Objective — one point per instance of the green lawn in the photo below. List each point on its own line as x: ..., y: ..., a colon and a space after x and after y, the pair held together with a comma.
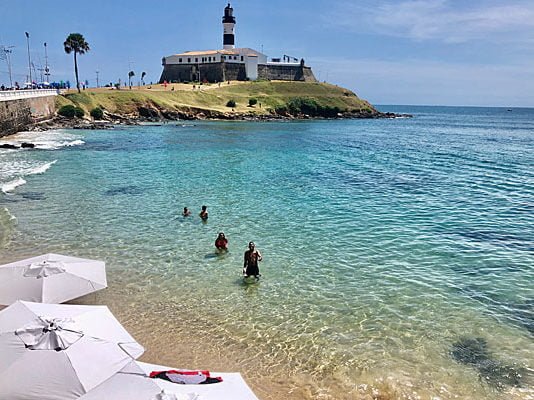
x: 212, y: 97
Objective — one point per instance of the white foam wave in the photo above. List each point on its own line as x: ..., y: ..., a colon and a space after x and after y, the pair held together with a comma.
x: 52, y: 145
x: 10, y: 186
x: 48, y: 140
x: 42, y: 168
x: 78, y: 142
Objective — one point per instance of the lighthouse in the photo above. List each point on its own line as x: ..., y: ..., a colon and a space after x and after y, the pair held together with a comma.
x: 231, y: 63
x: 228, y: 28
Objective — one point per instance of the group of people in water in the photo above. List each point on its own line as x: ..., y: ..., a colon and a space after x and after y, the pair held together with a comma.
x: 251, y: 257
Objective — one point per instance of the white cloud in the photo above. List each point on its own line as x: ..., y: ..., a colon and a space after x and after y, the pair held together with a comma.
x: 438, y: 20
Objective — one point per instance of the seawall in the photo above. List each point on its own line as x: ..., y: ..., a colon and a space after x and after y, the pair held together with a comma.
x: 19, y: 109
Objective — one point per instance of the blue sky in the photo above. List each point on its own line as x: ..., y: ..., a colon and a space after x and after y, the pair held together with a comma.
x: 443, y: 52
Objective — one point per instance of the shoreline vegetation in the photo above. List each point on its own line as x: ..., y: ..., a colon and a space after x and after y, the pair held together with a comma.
x: 245, y: 101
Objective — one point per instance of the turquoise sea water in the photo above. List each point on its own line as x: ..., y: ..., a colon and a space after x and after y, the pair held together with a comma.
x: 398, y: 254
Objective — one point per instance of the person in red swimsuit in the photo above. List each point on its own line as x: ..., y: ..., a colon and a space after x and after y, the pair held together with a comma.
x: 221, y: 242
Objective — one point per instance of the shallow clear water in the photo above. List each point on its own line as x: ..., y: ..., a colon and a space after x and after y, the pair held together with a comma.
x: 386, y: 244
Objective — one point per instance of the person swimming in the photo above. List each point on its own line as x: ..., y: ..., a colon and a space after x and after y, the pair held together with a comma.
x: 221, y: 243
x: 204, y: 213
x: 186, y: 212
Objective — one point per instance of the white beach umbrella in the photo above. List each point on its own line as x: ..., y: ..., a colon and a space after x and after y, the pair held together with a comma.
x: 50, y: 278
x: 60, y: 352
x: 133, y: 383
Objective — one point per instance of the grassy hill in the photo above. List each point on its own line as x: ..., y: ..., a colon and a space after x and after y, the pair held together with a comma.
x: 272, y: 97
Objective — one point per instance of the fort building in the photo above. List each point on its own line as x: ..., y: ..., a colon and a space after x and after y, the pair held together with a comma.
x: 231, y: 63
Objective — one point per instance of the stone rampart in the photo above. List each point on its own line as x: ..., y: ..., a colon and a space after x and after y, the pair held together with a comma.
x: 234, y: 72
x: 220, y: 72
x: 19, y: 114
x: 281, y: 72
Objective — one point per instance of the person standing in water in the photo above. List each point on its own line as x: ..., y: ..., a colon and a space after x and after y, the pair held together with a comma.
x: 204, y: 213
x: 186, y: 212
x: 250, y: 263
x: 221, y: 242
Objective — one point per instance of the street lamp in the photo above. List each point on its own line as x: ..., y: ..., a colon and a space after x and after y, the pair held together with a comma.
x: 29, y: 59
x: 47, y: 70
x: 6, y: 50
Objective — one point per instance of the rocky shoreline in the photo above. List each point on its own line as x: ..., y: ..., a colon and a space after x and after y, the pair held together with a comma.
x: 153, y: 115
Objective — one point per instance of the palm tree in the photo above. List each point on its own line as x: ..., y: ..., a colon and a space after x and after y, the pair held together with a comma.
x: 76, y: 43
x: 130, y: 75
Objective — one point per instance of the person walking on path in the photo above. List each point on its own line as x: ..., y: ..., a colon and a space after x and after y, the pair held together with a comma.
x: 250, y: 263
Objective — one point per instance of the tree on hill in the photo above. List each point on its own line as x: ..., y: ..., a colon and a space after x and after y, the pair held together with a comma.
x: 76, y: 44
x: 143, y: 74
x: 131, y: 74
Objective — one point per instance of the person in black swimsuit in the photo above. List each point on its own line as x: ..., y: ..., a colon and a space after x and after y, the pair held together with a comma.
x: 251, y: 259
x: 204, y: 213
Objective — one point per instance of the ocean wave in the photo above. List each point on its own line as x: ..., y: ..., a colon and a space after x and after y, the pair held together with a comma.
x: 42, y: 168
x: 10, y: 186
x: 53, y: 145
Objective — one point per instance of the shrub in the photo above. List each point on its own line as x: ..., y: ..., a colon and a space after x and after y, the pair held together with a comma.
x: 97, y: 113
x: 79, y: 112
x: 68, y: 111
x: 231, y: 103
x: 252, y: 102
x: 281, y: 110
x: 301, y: 105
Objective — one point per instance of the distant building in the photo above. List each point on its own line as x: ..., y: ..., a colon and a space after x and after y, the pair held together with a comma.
x: 232, y: 63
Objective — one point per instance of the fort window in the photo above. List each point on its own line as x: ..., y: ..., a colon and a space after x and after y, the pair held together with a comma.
x: 241, y: 58
x: 188, y: 60
x: 179, y: 60
x: 196, y: 59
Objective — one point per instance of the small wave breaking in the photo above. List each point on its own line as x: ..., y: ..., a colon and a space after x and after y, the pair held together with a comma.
x: 12, y: 185
x: 52, y: 145
x: 42, y: 168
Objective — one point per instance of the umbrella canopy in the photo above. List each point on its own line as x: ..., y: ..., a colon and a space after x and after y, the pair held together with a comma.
x: 60, y: 352
x: 50, y: 278
x: 133, y: 383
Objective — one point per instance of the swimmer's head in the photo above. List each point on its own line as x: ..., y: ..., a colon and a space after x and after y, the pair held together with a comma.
x: 251, y: 245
